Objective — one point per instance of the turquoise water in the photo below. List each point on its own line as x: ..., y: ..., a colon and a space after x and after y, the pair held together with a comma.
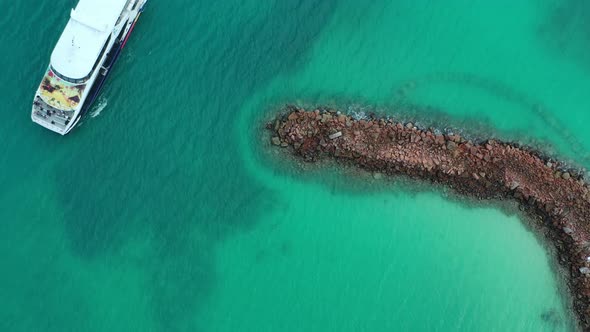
x: 167, y: 210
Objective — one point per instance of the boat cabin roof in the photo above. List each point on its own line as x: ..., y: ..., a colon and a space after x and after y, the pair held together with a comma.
x: 83, y: 38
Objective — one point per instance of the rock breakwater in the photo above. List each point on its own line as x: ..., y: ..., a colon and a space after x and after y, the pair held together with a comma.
x: 559, y: 200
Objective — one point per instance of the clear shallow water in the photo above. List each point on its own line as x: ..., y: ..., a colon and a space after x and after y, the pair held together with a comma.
x: 162, y: 214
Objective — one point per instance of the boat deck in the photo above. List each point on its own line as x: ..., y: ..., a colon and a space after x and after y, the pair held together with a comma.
x: 50, y: 115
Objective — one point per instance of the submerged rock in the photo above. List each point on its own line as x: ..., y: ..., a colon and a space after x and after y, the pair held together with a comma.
x: 276, y: 140
x: 451, y: 146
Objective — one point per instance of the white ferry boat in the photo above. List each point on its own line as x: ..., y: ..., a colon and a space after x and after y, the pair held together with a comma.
x: 82, y: 59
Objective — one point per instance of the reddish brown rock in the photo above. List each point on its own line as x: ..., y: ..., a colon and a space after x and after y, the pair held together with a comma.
x: 439, y: 139
x: 451, y: 146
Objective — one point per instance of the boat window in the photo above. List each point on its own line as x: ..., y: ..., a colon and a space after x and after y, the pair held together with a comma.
x: 68, y: 79
x: 83, y: 79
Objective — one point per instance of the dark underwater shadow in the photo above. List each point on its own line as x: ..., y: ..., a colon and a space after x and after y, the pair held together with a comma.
x: 174, y: 173
x: 566, y: 30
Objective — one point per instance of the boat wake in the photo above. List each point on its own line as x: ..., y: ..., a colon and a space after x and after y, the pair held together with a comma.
x: 102, y: 104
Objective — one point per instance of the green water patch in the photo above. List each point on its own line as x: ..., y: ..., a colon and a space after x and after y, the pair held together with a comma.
x: 385, y: 262
x: 143, y: 194
x: 48, y: 288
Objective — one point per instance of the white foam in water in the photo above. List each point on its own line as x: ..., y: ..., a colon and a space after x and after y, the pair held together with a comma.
x: 102, y: 104
x: 359, y: 115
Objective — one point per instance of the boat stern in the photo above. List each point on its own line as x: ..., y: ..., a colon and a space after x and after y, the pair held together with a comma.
x: 56, y: 120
